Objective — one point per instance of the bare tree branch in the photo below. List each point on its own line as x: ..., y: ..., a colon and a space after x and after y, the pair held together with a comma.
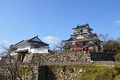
x: 103, y: 37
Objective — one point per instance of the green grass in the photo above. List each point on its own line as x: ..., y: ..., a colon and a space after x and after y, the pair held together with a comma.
x: 98, y: 73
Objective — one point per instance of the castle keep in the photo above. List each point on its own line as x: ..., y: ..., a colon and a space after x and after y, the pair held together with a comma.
x: 82, y: 37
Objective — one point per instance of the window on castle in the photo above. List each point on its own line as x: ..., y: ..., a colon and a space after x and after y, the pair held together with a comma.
x: 81, y: 31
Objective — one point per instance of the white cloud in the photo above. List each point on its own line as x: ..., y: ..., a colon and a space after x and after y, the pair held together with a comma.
x: 117, y: 22
x: 52, y: 40
x: 5, y: 41
x: 28, y: 25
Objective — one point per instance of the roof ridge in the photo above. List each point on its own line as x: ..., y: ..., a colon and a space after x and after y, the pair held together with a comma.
x: 83, y: 24
x: 30, y: 38
x: 26, y: 40
x: 19, y: 42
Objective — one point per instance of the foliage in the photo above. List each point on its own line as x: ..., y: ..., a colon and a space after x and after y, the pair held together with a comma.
x: 117, y: 57
x: 98, y: 73
x: 109, y: 45
x: 90, y: 72
x: 107, y: 75
x: 24, y: 70
x: 118, y: 49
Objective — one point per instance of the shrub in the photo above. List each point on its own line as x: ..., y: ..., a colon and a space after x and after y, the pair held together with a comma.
x: 117, y: 57
x: 108, y: 75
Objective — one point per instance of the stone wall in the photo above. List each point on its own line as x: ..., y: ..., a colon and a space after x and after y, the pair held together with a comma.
x: 57, y: 57
x: 68, y: 73
x: 69, y: 57
x: 59, y: 73
x: 64, y: 72
x: 45, y: 73
x: 54, y: 72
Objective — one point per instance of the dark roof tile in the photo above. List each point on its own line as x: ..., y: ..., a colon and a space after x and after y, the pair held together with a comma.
x: 31, y: 41
x: 83, y: 26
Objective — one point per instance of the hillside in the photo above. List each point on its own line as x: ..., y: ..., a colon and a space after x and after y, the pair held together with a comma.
x: 79, y: 72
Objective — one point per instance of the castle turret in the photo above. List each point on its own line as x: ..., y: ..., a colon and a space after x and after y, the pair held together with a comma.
x: 83, y: 36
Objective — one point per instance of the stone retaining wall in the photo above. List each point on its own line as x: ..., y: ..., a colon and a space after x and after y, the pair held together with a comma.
x: 58, y: 57
x: 59, y: 73
x: 46, y: 72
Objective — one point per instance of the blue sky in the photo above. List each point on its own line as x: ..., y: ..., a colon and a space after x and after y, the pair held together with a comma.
x: 53, y: 20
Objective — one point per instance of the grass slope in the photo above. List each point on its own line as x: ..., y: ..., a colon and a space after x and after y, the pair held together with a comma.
x: 98, y: 73
x: 93, y: 72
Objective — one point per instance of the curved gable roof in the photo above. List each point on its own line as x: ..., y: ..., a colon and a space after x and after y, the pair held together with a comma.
x: 83, y: 26
x: 34, y: 40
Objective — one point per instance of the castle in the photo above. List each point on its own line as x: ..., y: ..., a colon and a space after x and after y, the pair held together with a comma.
x: 82, y: 37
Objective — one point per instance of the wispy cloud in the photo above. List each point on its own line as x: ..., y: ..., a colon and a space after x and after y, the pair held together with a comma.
x: 5, y: 41
x: 117, y: 22
x: 52, y: 40
x: 28, y: 25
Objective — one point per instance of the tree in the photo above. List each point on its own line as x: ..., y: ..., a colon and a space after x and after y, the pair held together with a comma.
x: 118, y: 39
x: 59, y: 46
x: 118, y: 47
x: 103, y: 37
x: 10, y: 64
x: 111, y: 46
